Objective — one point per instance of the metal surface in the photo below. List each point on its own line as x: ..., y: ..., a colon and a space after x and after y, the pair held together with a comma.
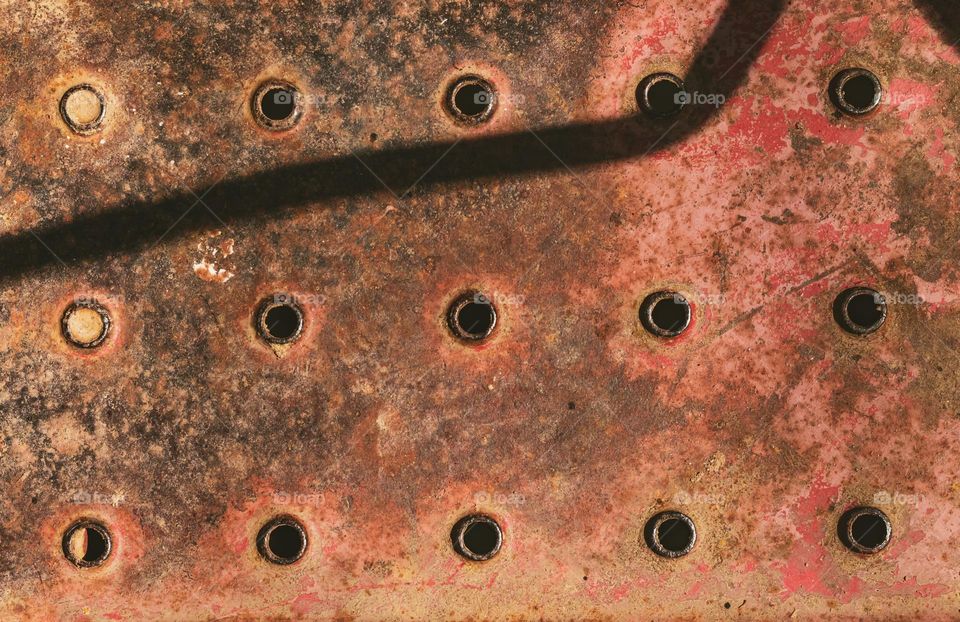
x: 184, y: 432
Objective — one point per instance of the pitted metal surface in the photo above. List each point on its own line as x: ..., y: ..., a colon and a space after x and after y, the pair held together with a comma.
x: 373, y: 209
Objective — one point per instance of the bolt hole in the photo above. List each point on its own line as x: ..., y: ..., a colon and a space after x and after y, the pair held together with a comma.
x: 282, y: 541
x: 472, y: 317
x: 279, y: 320
x: 477, y: 537
x: 83, y: 108
x: 665, y: 314
x: 471, y: 100
x: 864, y: 530
x: 855, y: 91
x: 661, y: 95
x: 277, y: 105
x: 670, y: 534
x: 860, y: 310
x: 87, y: 544
x: 85, y: 324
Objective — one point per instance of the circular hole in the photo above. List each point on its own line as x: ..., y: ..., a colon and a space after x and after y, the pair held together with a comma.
x: 665, y: 314
x: 860, y: 310
x: 85, y: 324
x: 472, y: 317
x: 87, y: 544
x: 471, y: 100
x: 864, y: 530
x: 277, y: 105
x: 477, y: 537
x: 670, y: 534
x: 282, y: 541
x: 661, y: 95
x: 83, y: 108
x: 855, y: 91
x: 279, y: 319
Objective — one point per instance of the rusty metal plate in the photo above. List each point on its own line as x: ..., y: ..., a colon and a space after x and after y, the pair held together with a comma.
x: 252, y: 253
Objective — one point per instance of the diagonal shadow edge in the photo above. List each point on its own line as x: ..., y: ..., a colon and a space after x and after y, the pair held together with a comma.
x: 133, y: 226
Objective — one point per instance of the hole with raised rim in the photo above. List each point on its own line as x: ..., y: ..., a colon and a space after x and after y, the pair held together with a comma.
x: 477, y: 537
x: 282, y: 541
x: 670, y: 534
x: 665, y: 314
x: 87, y: 543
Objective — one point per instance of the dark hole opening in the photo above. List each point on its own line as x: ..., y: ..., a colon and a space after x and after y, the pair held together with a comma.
x: 662, y: 97
x: 865, y: 310
x: 277, y: 104
x: 476, y: 319
x: 286, y: 542
x: 282, y: 322
x: 472, y: 99
x: 665, y: 314
x: 481, y: 538
x: 859, y: 92
x: 675, y: 535
x: 96, y: 545
x: 671, y: 314
x: 869, y: 531
x: 860, y: 310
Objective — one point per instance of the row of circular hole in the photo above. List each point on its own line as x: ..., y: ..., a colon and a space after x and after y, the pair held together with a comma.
x: 472, y: 317
x: 478, y: 537
x: 471, y: 100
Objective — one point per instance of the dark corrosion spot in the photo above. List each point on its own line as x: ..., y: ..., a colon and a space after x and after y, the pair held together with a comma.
x: 277, y: 105
x: 476, y: 537
x: 282, y: 541
x: 670, y: 534
x: 471, y: 100
x: 864, y: 530
x: 472, y: 317
x: 860, y: 310
x: 85, y: 324
x: 665, y: 314
x: 855, y: 91
x: 279, y: 319
x: 87, y: 543
x: 661, y: 95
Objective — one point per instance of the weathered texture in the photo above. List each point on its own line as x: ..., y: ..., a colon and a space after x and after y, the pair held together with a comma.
x: 184, y: 433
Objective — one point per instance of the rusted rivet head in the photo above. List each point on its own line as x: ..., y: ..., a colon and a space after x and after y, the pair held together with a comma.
x: 661, y: 95
x: 471, y: 100
x: 472, y: 317
x: 855, y: 91
x: 83, y: 108
x: 85, y: 324
x: 665, y: 314
x: 860, y: 310
x: 670, y: 534
x: 277, y: 105
x: 282, y: 541
x: 864, y: 530
x: 87, y: 543
x: 476, y: 537
x: 279, y: 319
